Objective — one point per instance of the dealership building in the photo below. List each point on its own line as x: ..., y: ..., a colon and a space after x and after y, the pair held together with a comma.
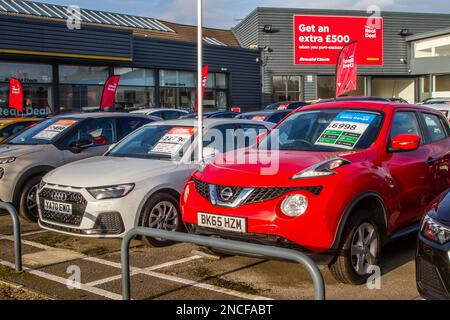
x: 63, y: 66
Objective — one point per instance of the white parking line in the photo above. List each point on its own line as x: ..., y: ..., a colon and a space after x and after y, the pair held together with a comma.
x: 137, y: 270
x: 146, y: 271
x: 31, y: 233
x: 51, y: 277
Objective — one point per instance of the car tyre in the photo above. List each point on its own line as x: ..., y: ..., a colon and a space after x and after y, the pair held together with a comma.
x: 28, y: 207
x: 161, y: 212
x: 359, y: 250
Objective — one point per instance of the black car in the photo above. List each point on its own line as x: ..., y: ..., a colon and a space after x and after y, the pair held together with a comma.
x: 213, y: 114
x: 286, y: 105
x: 433, y: 251
x: 273, y: 116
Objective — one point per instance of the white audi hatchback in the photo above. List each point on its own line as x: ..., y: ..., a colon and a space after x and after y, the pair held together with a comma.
x: 138, y: 181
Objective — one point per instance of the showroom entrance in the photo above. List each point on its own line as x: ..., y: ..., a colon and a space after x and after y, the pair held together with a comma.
x: 394, y: 88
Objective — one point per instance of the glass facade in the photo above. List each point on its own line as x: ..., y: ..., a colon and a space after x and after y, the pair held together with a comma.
x: 326, y: 87
x: 136, y: 89
x: 37, y: 86
x: 78, y: 88
x: 81, y: 87
x: 432, y: 47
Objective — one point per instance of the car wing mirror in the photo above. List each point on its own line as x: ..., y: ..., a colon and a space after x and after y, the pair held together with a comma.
x: 82, y: 144
x: 405, y: 142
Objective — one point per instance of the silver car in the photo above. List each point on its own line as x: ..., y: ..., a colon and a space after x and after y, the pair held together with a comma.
x: 139, y: 181
x: 28, y: 156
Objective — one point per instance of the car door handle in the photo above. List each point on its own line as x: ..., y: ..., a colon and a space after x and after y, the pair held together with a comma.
x: 431, y: 161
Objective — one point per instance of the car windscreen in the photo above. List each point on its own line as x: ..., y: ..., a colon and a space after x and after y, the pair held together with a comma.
x: 325, y: 130
x: 155, y: 142
x: 45, y: 132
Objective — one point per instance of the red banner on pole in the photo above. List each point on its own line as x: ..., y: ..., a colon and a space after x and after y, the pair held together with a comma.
x: 15, y: 94
x: 205, y: 71
x: 346, y: 69
x: 109, y: 92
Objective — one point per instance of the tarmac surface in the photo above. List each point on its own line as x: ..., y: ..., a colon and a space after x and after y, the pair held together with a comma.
x: 51, y: 261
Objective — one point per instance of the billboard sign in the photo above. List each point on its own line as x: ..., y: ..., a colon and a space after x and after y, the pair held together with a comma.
x: 319, y: 39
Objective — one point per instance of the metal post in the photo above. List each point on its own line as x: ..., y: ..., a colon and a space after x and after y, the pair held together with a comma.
x: 16, y: 226
x: 199, y: 78
x: 229, y: 245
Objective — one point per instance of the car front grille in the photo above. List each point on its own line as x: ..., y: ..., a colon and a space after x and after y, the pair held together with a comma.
x: 77, y: 200
x: 428, y: 276
x: 259, y: 194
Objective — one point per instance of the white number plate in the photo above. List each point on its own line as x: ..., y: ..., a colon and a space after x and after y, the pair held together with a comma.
x: 222, y: 222
x: 58, y: 207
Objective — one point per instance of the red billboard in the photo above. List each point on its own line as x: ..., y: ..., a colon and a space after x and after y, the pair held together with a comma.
x: 319, y: 39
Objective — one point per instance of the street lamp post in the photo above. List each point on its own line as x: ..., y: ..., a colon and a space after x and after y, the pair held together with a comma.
x: 199, y: 78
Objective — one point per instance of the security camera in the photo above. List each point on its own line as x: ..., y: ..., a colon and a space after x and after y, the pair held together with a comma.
x: 404, y: 61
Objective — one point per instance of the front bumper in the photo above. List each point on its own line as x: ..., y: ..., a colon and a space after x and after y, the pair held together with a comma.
x: 312, y: 233
x: 90, y: 217
x: 433, y: 269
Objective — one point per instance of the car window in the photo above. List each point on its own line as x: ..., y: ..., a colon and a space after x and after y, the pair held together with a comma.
x: 99, y: 131
x: 277, y: 117
x: 171, y: 114
x: 434, y: 126
x: 250, y: 133
x: 12, y: 129
x: 128, y: 125
x: 405, y: 122
x: 157, y: 114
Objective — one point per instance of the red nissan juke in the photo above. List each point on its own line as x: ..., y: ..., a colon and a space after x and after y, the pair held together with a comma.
x: 336, y: 181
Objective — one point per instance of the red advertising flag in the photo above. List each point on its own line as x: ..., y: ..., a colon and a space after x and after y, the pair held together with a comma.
x: 346, y: 69
x: 109, y: 92
x: 15, y: 94
x: 205, y: 71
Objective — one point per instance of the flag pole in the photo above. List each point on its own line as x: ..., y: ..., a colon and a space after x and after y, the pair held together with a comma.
x: 199, y: 78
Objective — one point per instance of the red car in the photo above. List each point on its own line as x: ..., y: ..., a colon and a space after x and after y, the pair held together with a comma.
x: 350, y: 176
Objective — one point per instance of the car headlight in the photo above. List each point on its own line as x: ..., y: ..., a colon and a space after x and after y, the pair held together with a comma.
x: 186, y: 193
x: 111, y: 192
x: 434, y: 231
x: 294, y: 205
x: 7, y: 160
x: 322, y: 169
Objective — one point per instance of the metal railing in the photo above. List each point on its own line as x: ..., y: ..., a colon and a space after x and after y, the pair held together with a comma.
x: 16, y: 228
x: 229, y: 245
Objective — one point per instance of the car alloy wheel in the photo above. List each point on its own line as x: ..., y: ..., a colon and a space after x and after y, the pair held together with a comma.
x: 31, y: 201
x: 364, y: 248
x: 164, y: 216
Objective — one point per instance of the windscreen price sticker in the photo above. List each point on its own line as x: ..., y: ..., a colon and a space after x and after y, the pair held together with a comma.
x: 55, y: 129
x: 173, y: 140
x: 346, y: 130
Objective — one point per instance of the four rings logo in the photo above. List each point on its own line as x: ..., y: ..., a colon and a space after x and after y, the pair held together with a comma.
x: 226, y: 194
x: 59, y: 196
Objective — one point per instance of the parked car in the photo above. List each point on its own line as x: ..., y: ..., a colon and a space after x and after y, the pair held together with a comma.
x: 213, y: 115
x: 433, y: 251
x: 11, y: 126
x: 344, y: 179
x: 431, y: 101
x: 273, y: 116
x: 355, y: 98
x: 25, y: 158
x: 440, y: 105
x: 138, y: 182
x: 286, y: 105
x: 165, y: 114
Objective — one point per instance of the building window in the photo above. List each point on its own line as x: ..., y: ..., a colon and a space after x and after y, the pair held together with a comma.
x: 394, y: 88
x: 136, y: 89
x: 177, y: 89
x: 424, y: 88
x: 442, y: 83
x: 81, y: 87
x: 287, y: 88
x: 326, y: 87
x: 37, y: 90
x: 433, y: 47
x: 216, y: 92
